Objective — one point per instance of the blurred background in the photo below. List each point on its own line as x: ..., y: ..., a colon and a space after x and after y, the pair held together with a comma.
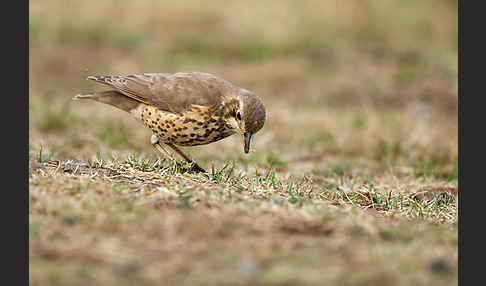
x: 361, y: 95
x: 371, y: 82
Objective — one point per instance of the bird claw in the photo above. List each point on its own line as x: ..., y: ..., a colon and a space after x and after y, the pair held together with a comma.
x: 195, y: 168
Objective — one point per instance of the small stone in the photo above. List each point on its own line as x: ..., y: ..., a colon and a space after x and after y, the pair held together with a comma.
x: 247, y: 268
x: 440, y: 266
x: 276, y: 199
x: 71, y: 219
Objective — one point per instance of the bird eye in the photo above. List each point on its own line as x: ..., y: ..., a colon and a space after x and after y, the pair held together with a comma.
x: 238, y: 115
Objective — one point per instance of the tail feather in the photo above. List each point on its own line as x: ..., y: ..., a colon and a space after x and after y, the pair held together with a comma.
x: 111, y: 97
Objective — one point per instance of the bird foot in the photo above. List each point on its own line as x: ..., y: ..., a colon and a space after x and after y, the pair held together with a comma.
x: 195, y: 168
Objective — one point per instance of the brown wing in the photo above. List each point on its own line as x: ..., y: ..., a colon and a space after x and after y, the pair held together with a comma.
x: 170, y: 92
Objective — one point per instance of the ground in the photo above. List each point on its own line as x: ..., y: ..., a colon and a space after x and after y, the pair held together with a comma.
x: 352, y: 180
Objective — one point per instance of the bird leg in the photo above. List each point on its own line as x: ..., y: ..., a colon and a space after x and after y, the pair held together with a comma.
x: 155, y: 142
x: 195, y: 166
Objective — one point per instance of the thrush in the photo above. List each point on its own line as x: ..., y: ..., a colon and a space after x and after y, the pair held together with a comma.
x: 184, y: 108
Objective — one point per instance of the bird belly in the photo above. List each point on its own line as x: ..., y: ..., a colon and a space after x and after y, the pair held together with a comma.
x: 188, y: 129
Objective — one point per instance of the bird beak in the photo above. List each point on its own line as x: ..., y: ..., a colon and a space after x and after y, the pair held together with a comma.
x: 246, y: 141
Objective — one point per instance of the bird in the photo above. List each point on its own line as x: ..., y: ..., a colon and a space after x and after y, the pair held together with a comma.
x: 184, y: 108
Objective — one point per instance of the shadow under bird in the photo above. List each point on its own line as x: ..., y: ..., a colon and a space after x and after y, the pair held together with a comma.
x: 185, y: 108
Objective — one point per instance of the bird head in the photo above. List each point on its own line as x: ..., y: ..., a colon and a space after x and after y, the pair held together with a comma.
x: 248, y: 117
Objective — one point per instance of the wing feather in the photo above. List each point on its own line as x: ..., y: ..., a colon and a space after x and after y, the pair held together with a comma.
x: 170, y: 92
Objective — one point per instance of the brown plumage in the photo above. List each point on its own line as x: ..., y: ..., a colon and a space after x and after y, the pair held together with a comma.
x: 185, y: 109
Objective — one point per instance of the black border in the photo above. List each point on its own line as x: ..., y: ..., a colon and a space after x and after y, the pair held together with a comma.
x: 15, y: 95
x: 471, y: 89
x: 460, y: 144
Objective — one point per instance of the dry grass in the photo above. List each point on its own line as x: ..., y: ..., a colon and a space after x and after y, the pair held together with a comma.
x: 353, y: 180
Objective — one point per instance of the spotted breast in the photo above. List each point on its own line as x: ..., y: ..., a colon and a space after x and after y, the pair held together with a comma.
x: 198, y: 125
